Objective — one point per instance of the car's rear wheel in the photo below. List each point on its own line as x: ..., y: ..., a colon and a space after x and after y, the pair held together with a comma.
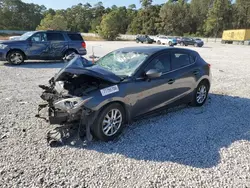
x: 15, y: 57
x: 200, y: 94
x: 109, y: 123
x: 170, y: 43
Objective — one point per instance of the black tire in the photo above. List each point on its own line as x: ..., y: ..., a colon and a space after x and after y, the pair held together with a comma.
x: 15, y: 57
x: 195, y: 100
x: 170, y: 43
x: 98, y: 127
x: 158, y: 42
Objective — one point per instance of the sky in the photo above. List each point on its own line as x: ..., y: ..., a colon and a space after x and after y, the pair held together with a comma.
x: 63, y: 4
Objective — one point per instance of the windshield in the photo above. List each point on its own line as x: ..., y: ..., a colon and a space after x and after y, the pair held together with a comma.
x: 26, y: 35
x: 122, y: 63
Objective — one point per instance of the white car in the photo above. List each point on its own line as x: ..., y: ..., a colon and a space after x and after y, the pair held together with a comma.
x: 161, y: 39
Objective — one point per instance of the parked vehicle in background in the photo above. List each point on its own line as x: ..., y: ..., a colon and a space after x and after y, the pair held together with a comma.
x: 185, y: 41
x: 42, y: 45
x: 103, y: 96
x: 165, y: 40
x: 144, y: 39
x: 238, y: 35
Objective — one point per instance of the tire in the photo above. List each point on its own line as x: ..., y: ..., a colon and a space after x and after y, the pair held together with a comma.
x: 170, y: 43
x: 102, y: 130
x: 158, y: 42
x: 137, y: 41
x: 182, y: 43
x: 196, y: 101
x: 15, y: 57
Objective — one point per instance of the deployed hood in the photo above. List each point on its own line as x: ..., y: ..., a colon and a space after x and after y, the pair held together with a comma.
x: 81, y: 66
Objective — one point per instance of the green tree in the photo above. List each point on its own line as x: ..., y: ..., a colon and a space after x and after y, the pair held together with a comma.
x: 146, y: 3
x: 110, y: 25
x: 56, y: 22
x: 198, y: 11
x: 242, y: 9
x: 175, y: 17
x: 16, y: 15
x: 219, y: 17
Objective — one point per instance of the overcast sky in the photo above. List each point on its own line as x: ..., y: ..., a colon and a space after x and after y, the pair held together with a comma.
x: 63, y: 4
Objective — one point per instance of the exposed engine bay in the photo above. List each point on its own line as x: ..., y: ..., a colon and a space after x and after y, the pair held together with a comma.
x: 65, y: 95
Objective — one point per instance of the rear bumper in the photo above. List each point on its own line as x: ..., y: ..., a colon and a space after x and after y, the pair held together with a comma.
x: 82, y: 51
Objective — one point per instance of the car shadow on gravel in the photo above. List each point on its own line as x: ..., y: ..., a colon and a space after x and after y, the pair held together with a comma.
x: 184, y: 135
x: 39, y: 64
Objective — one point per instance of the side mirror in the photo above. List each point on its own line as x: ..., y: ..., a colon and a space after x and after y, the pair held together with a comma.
x: 153, y: 73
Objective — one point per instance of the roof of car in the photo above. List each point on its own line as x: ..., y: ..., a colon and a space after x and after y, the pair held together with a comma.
x: 149, y: 49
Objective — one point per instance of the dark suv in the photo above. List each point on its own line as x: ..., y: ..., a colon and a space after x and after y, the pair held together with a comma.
x: 144, y: 39
x: 42, y: 45
x: 184, y: 41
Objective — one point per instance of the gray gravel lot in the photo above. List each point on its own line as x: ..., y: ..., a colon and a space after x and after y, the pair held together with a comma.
x: 181, y: 147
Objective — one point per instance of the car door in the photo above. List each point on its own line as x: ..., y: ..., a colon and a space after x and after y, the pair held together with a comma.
x: 38, y: 46
x: 58, y: 45
x: 191, y: 41
x: 184, y: 73
x: 152, y: 94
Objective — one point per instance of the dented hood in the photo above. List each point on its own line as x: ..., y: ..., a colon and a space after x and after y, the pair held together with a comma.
x: 81, y: 66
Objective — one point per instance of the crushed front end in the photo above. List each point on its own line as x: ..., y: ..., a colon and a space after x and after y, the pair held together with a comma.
x: 65, y: 97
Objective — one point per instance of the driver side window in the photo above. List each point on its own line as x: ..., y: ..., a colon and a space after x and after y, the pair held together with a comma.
x: 39, y: 37
x: 161, y: 63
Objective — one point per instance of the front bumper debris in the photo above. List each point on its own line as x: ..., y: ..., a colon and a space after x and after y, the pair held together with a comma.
x: 68, y: 125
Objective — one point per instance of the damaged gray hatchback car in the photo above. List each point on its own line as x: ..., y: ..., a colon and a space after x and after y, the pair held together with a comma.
x: 123, y: 85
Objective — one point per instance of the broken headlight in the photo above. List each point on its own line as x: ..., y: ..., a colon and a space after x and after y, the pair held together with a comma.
x: 69, y: 104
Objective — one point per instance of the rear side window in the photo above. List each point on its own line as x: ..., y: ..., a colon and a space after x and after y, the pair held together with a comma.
x: 75, y: 37
x: 180, y: 60
x: 55, y: 37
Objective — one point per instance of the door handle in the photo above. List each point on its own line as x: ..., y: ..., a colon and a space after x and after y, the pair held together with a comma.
x: 171, y: 81
x: 196, y: 72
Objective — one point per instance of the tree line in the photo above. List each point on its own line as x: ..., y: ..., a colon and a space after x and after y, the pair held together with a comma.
x: 175, y: 17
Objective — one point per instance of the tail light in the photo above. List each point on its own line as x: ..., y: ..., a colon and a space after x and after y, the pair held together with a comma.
x: 209, y: 65
x: 83, y: 44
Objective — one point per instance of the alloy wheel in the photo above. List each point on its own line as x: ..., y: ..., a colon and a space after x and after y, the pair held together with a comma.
x: 201, y: 94
x: 112, y: 122
x: 16, y: 58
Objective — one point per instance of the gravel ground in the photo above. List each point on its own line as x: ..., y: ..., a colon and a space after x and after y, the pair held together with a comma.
x: 182, y: 147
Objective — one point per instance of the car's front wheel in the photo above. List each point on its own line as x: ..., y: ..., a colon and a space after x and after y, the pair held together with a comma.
x: 109, y: 123
x: 15, y: 57
x: 200, y: 94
